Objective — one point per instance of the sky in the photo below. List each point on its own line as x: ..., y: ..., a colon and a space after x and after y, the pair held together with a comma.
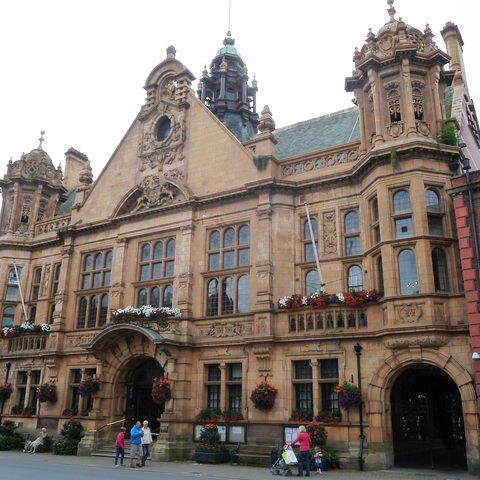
x: 76, y: 68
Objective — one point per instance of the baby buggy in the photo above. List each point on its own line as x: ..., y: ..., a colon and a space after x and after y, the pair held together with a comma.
x: 281, y: 467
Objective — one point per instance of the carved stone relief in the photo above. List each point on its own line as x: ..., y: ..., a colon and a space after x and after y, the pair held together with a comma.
x: 77, y: 340
x: 226, y: 329
x: 433, y: 341
x: 329, y: 232
x: 409, y: 312
x: 45, y: 280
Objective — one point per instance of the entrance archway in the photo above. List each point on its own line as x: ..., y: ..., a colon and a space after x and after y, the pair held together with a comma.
x: 139, y: 402
x: 427, y: 419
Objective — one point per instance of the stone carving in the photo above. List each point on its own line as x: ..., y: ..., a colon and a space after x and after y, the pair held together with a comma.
x: 116, y: 290
x: 433, y: 341
x: 423, y: 128
x: 395, y: 129
x: 329, y: 233
x: 77, y: 340
x: 409, y: 312
x: 267, y: 124
x: 392, y: 89
x: 45, y: 280
x: 225, y: 329
x: 52, y: 225
x: 174, y: 174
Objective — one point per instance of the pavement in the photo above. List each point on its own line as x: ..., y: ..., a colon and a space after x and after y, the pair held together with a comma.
x: 45, y: 466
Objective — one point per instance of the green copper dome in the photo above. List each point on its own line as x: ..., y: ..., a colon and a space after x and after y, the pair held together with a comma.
x: 228, y: 48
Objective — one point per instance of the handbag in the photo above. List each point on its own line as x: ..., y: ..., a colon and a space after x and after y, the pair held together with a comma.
x: 289, y: 456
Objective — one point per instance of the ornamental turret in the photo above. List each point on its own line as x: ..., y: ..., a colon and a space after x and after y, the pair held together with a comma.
x: 225, y: 91
x: 399, y: 83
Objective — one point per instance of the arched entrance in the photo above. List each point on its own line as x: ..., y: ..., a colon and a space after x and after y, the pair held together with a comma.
x: 427, y: 419
x: 139, y: 402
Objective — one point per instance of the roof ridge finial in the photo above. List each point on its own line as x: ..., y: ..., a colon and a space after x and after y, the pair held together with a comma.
x: 391, y: 11
x: 41, y: 139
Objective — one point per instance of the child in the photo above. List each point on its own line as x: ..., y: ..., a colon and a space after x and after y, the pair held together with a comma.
x: 318, y: 460
x: 120, y: 447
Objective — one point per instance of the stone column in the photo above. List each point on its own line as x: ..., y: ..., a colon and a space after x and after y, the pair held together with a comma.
x: 377, y: 107
x: 63, y: 287
x: 115, y: 298
x: 360, y: 101
x: 183, y: 283
x: 408, y: 114
x: 27, y: 389
x: 316, y: 389
x: 16, y: 201
x: 35, y: 208
x: 223, y: 386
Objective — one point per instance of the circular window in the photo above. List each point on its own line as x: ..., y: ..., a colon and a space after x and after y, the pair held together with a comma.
x: 163, y: 128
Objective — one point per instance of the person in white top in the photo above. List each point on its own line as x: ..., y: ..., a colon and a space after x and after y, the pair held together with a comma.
x: 146, y: 442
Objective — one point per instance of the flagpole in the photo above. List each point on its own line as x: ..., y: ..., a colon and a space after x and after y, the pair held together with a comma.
x: 21, y: 293
x: 314, y: 246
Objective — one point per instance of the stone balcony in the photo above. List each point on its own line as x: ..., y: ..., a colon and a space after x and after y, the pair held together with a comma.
x: 24, y: 344
x: 52, y: 225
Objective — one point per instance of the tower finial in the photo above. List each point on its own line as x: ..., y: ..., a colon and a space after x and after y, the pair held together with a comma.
x: 391, y: 11
x: 41, y: 139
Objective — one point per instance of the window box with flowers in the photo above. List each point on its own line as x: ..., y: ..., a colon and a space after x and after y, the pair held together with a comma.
x: 348, y: 395
x: 5, y: 391
x: 24, y: 329
x: 329, y: 416
x: 47, y: 392
x: 210, y: 450
x: 161, y: 389
x: 263, y: 396
x: 209, y: 415
x: 302, y: 415
x: 89, y: 386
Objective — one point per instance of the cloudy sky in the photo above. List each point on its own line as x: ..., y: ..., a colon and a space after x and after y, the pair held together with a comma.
x: 76, y: 68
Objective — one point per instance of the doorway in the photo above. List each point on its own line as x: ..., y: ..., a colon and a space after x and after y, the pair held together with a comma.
x: 140, y: 404
x: 427, y: 420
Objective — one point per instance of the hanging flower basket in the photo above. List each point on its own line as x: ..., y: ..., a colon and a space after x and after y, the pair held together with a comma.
x: 47, y: 392
x: 5, y: 391
x: 89, y: 386
x: 161, y: 389
x: 348, y: 395
x: 263, y: 396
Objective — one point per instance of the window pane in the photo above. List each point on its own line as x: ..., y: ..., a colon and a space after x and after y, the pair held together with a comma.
x: 169, y: 268
x: 403, y: 227
x: 355, y: 281
x: 329, y: 397
x: 142, y: 297
x: 8, y: 317
x: 312, y: 283
x: 108, y: 259
x: 96, y: 280
x: 227, y: 295
x: 309, y: 255
x: 51, y: 314
x: 306, y: 230
x: 86, y: 281
x: 213, y: 373
x: 380, y: 275
x: 376, y: 233
x: 329, y: 368
x: 235, y: 397
x: 435, y: 225
x: 243, y: 294
x: 35, y: 292
x: 98, y: 261
x: 229, y: 259
x: 12, y: 293
x: 57, y: 272
x: 351, y: 222
x: 92, y: 314
x: 33, y: 314
x: 244, y: 235
x: 155, y: 297
x: 37, y: 275
x: 12, y: 277
x: 158, y: 251
x: 303, y: 369
x: 168, y: 296
x: 213, y: 261
x: 352, y: 245
x: 235, y: 370
x: 440, y: 270
x: 213, y: 396
x: 82, y: 312
x: 375, y: 210
x: 214, y: 242
x: 87, y: 263
x: 401, y: 202
x: 432, y: 201
x: 157, y: 270
x: 212, y: 297
x: 229, y: 237
x: 243, y: 257
x: 145, y: 252
x: 408, y: 272
x: 103, y: 310
x: 144, y: 271
x: 106, y: 278
x: 171, y: 248
x: 303, y: 396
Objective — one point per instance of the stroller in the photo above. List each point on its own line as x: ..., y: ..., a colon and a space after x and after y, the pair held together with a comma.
x: 281, y: 467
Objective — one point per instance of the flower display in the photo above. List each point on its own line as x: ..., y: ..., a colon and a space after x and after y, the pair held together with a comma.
x: 210, y: 440
x: 24, y: 328
x: 89, y: 386
x: 318, y: 435
x: 263, y: 396
x: 302, y: 415
x: 145, y: 312
x: 348, y: 395
x: 5, y: 391
x: 47, y: 392
x: 161, y: 389
x: 329, y: 416
x: 321, y: 299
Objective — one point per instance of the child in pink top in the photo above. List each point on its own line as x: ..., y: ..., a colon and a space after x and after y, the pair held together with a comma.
x: 120, y: 447
x: 304, y: 440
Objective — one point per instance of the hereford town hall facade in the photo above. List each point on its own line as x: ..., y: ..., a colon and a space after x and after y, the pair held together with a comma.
x: 202, y: 207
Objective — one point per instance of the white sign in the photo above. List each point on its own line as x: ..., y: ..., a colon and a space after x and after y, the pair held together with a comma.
x: 291, y: 433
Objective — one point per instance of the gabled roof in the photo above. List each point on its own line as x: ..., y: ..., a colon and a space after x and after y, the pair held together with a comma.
x: 318, y: 133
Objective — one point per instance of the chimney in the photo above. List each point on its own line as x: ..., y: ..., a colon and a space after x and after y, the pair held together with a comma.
x: 75, y: 162
x: 454, y: 42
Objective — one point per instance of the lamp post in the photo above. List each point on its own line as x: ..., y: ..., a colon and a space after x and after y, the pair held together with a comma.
x: 358, y: 352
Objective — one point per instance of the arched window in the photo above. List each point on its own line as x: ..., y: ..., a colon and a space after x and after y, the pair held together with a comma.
x: 307, y: 240
x: 108, y: 259
x: 8, y: 316
x: 355, y: 279
x: 146, y: 252
x: 229, y: 237
x: 401, y: 202
x: 56, y: 279
x: 227, y: 295
x: 96, y: 273
x: 51, y: 313
x: 142, y: 297
x: 312, y: 283
x: 82, y: 312
x: 158, y: 251
x: 243, y: 294
x: 33, y: 315
x: 102, y: 320
x: 12, y: 285
x: 155, y: 297
x: 244, y: 235
x: 168, y: 296
x: 351, y: 222
x: 98, y: 261
x: 432, y: 200
x: 212, y: 297
x: 157, y: 260
x: 214, y: 242
x: 440, y: 270
x: 380, y: 284
x: 435, y: 217
x: 171, y: 248
x: 92, y: 312
x: 87, y: 263
x: 37, y: 277
x: 407, y: 268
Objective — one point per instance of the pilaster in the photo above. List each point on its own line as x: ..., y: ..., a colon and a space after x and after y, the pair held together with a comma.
x: 377, y: 107
x: 117, y: 288
x: 407, y: 99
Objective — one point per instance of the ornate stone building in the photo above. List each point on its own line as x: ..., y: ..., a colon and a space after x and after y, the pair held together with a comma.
x: 202, y: 207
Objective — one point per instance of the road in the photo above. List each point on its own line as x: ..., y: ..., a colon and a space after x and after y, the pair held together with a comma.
x: 18, y: 466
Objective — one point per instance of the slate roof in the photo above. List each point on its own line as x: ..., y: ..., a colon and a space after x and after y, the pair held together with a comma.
x: 65, y: 207
x: 322, y: 132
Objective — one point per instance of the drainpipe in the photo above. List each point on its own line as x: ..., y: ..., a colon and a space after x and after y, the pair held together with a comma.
x: 7, y: 374
x: 358, y: 352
